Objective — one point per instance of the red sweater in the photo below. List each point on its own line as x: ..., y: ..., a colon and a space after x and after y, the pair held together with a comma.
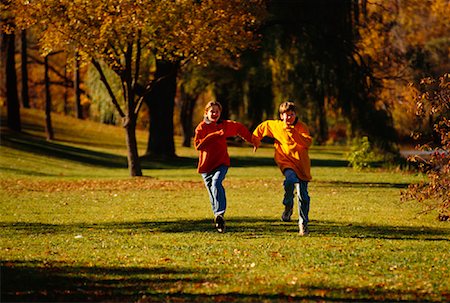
x: 210, y: 141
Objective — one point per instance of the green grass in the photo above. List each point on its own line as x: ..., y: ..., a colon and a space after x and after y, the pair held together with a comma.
x: 76, y: 227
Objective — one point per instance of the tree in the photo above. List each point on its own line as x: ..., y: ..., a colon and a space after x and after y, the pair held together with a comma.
x: 402, y: 42
x: 160, y: 101
x: 12, y: 96
x: 124, y: 34
x: 48, y: 102
x: 76, y: 86
x: 193, y: 80
x: 432, y: 97
x: 309, y: 55
x: 8, y: 64
x: 24, y: 69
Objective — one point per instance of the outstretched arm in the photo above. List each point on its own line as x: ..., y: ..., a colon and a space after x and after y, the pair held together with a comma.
x: 261, y: 131
x: 256, y: 143
x: 234, y: 128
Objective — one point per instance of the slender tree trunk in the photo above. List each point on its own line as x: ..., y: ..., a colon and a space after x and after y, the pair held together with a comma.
x: 128, y: 79
x: 161, y: 104
x: 76, y: 86
x: 134, y: 164
x: 24, y: 69
x: 66, y: 94
x: 129, y: 120
x: 321, y: 122
x: 48, y: 103
x: 12, y: 96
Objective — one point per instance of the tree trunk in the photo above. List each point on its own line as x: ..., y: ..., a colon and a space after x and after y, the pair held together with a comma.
x: 66, y: 94
x: 12, y: 97
x: 76, y: 86
x: 134, y: 165
x: 321, y: 121
x: 186, y: 115
x: 48, y: 103
x: 24, y: 69
x: 161, y: 106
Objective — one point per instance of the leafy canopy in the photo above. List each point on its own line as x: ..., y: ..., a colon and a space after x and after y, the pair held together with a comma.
x: 172, y: 30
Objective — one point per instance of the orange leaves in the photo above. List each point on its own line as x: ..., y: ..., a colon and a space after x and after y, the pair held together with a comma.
x: 21, y: 185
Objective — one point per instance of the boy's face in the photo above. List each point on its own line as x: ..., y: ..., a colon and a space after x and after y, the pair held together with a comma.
x: 213, y: 113
x: 288, y: 117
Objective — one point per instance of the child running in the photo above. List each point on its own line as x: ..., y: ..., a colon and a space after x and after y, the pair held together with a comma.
x: 210, y: 141
x: 292, y: 141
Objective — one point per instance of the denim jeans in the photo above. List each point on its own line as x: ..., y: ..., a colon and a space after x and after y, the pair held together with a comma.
x: 213, y: 182
x: 303, y: 197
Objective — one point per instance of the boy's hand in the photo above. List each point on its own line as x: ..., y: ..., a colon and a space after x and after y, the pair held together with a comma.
x: 255, y: 146
x: 255, y: 143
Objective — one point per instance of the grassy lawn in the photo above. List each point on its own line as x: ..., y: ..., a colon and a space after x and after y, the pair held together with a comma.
x: 75, y: 227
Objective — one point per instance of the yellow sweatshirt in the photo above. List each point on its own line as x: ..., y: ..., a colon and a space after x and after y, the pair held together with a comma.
x: 291, y: 145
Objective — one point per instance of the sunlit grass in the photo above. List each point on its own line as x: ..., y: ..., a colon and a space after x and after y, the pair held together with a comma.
x: 76, y: 227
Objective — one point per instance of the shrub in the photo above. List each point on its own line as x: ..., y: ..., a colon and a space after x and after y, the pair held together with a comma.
x: 432, y: 102
x: 361, y: 154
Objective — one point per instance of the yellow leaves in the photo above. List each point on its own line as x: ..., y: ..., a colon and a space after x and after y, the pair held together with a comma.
x: 198, y: 29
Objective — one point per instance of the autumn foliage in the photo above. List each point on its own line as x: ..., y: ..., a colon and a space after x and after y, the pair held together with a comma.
x: 433, y: 103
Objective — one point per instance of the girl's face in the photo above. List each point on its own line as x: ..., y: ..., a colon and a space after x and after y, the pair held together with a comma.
x: 288, y: 117
x: 213, y: 113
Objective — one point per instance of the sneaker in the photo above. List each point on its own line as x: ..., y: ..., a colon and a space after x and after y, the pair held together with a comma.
x: 287, y: 213
x: 303, y: 230
x: 219, y: 221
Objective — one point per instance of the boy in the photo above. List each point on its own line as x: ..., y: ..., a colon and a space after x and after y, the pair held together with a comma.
x: 210, y: 141
x: 292, y: 141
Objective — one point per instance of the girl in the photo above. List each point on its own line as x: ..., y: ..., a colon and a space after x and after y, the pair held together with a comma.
x: 210, y: 141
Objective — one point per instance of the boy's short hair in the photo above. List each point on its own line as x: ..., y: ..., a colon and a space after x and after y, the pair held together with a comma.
x: 211, y: 104
x: 286, y: 106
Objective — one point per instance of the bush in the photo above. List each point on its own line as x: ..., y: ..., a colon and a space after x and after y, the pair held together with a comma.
x: 361, y: 154
x: 433, y: 103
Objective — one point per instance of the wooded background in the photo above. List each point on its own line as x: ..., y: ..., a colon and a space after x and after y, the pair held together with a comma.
x: 352, y: 67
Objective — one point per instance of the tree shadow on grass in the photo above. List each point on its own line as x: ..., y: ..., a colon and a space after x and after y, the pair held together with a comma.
x: 246, y: 227
x: 358, y: 184
x: 269, y: 161
x: 51, y: 281
x: 63, y: 282
x: 57, y: 149
x: 42, y: 147
x: 37, y: 281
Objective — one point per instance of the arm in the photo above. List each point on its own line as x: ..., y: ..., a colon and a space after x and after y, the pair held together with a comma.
x: 243, y: 132
x: 233, y: 128
x: 305, y: 138
x: 261, y: 131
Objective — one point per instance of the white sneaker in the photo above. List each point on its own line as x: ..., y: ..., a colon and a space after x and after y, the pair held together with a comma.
x: 303, y: 230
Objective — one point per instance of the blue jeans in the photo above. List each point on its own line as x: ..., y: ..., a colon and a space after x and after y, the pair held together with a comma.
x: 213, y: 182
x: 303, y: 197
